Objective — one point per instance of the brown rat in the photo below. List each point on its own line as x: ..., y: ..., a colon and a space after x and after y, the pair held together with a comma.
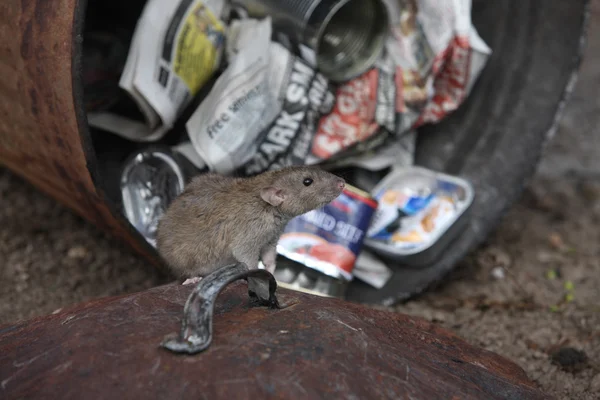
x: 219, y: 220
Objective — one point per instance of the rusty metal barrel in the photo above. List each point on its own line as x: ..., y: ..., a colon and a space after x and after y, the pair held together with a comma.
x: 44, y: 136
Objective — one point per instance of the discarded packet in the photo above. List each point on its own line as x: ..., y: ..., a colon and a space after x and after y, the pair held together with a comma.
x: 419, y: 213
x: 330, y: 239
x: 438, y: 56
x: 362, y: 106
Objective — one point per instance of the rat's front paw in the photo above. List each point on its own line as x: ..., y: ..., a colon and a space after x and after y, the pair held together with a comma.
x: 270, y: 267
x: 268, y: 257
x: 192, y: 281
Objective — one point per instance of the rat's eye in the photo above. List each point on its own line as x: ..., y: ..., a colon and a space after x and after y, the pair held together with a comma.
x: 307, y: 181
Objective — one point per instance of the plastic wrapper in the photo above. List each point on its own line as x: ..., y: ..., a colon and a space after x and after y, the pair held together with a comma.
x: 176, y: 48
x: 418, y: 213
x: 330, y: 239
x: 433, y: 57
x: 438, y: 56
x: 362, y: 107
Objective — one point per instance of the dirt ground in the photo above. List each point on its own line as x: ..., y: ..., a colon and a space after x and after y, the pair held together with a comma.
x: 533, y: 289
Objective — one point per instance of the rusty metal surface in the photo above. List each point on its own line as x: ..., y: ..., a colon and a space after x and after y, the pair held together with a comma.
x: 44, y: 135
x: 315, y: 348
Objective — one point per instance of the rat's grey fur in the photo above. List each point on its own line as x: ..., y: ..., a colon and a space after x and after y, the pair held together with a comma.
x: 219, y: 220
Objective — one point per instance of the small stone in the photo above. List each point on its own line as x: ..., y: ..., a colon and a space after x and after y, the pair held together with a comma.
x: 438, y: 316
x: 569, y: 359
x: 77, y: 252
x: 498, y: 273
x: 556, y: 241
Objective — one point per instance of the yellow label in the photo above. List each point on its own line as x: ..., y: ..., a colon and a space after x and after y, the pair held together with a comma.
x: 198, y: 47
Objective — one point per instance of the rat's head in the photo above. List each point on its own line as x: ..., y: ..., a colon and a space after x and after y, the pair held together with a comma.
x: 298, y: 190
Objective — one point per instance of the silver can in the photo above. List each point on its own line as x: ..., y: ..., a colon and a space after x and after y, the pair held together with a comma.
x: 346, y: 36
x: 150, y: 180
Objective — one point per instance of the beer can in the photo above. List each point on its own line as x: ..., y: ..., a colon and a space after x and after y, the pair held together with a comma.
x: 343, y: 38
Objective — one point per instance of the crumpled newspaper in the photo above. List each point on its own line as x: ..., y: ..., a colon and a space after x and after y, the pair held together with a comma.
x: 432, y: 58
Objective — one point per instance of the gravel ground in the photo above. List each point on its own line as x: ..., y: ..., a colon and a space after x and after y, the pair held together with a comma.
x: 530, y: 294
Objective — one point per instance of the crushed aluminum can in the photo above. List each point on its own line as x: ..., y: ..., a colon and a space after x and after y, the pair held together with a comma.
x: 328, y: 240
x: 341, y: 38
x: 150, y: 180
x: 419, y: 213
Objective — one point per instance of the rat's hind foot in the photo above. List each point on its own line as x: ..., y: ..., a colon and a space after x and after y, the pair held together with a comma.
x: 192, y: 281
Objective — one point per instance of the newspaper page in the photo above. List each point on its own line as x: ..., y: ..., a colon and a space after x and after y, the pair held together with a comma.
x: 263, y: 112
x: 287, y: 141
x: 176, y: 48
x: 245, y: 99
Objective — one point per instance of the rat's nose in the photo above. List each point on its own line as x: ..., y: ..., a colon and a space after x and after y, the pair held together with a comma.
x: 341, y: 184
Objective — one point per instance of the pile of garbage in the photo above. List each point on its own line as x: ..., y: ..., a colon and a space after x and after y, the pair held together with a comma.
x: 256, y: 85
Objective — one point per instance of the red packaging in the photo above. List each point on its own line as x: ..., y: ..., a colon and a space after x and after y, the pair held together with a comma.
x: 352, y: 119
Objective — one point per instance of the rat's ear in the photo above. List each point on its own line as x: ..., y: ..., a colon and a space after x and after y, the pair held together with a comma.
x: 272, y: 195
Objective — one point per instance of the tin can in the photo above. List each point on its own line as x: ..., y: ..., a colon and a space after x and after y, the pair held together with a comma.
x: 327, y: 242
x: 150, y: 180
x: 343, y: 38
x: 294, y: 276
x: 419, y: 213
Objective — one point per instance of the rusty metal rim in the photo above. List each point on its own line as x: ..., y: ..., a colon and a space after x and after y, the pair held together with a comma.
x: 79, y: 15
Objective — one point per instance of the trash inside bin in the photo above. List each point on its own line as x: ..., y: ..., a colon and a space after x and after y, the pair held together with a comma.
x: 489, y: 127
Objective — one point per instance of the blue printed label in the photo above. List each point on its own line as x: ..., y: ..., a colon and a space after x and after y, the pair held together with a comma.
x: 330, y: 237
